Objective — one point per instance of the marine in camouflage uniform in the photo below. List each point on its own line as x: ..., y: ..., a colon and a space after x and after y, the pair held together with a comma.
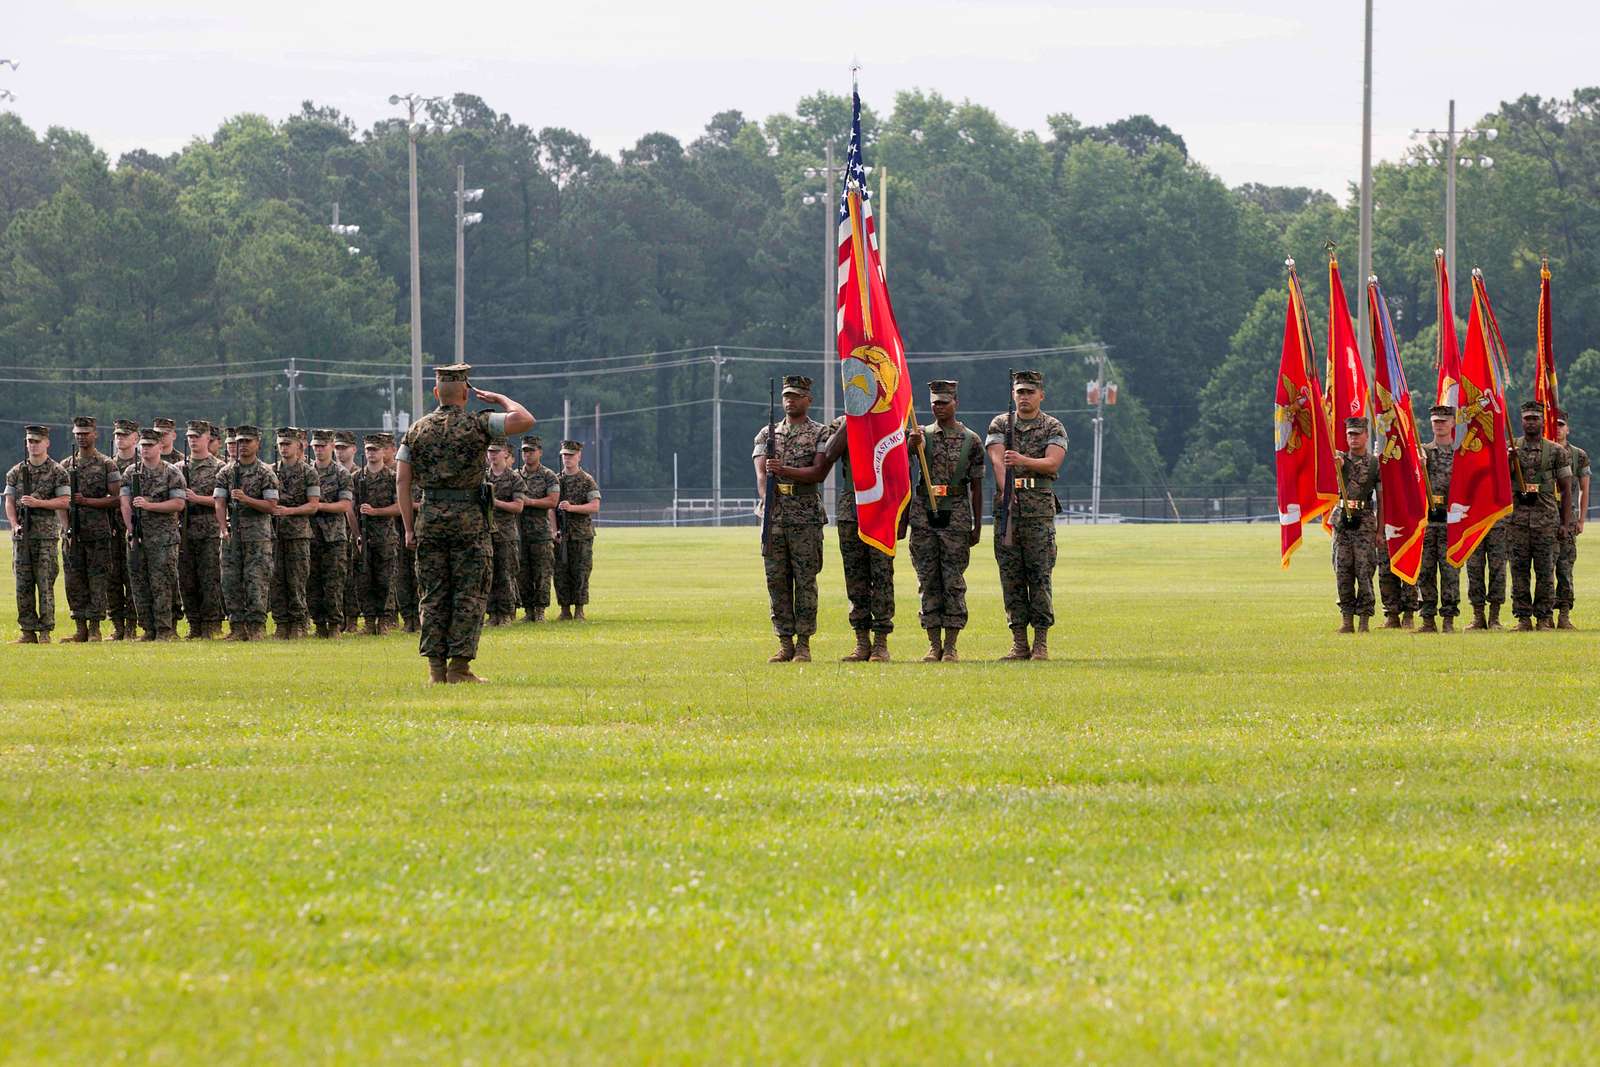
x: 1399, y: 599
x: 793, y: 556
x: 509, y: 501
x: 344, y: 450
x: 1439, y: 583
x: 404, y: 598
x: 380, y: 511
x: 119, y: 593
x: 154, y: 494
x: 331, y: 529
x: 249, y: 488
x: 200, y: 552
x: 1356, y: 549
x: 1567, y: 553
x: 579, y: 503
x: 1026, y: 566
x: 37, y: 491
x: 91, y: 541
x: 537, y: 530
x: 444, y: 453
x: 1486, y: 578
x: 940, y: 554
x: 169, y: 440
x: 299, y: 493
x: 1541, y: 499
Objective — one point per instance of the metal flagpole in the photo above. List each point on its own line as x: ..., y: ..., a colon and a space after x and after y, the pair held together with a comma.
x: 1363, y: 325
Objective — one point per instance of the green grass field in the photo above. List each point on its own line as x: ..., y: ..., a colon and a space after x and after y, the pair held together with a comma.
x: 1208, y: 830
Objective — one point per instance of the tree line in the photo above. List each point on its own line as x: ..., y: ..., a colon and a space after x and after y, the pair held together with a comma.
x: 213, y: 265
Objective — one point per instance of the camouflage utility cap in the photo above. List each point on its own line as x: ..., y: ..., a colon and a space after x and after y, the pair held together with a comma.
x: 375, y: 440
x: 150, y: 435
x: 793, y: 383
x: 246, y: 433
x: 531, y: 441
x: 37, y: 433
x: 1028, y: 377
x: 1532, y: 407
x: 455, y: 372
x: 83, y: 422
x: 322, y: 437
x: 198, y: 428
x: 125, y: 426
x: 1442, y: 411
x: 942, y: 389
x: 163, y: 423
x: 291, y: 433
x: 571, y: 446
x: 344, y: 437
x: 1355, y: 422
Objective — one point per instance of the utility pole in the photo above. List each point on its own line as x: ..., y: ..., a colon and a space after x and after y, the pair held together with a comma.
x: 464, y: 218
x: 293, y: 376
x: 597, y: 466
x: 716, y: 436
x: 394, y: 415
x: 566, y: 418
x: 413, y: 102
x: 1363, y: 326
x: 1453, y: 159
x: 1099, y: 433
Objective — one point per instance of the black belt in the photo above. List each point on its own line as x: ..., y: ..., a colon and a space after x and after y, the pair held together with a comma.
x: 449, y: 496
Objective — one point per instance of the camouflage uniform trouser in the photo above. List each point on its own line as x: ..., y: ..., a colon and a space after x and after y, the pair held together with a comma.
x: 119, y: 593
x: 1026, y: 569
x: 291, y: 570
x: 1397, y: 596
x: 376, y: 576
x: 572, y: 576
x: 1491, y: 550
x: 451, y: 573
x: 503, y: 593
x: 1532, y: 549
x: 329, y: 563
x: 87, y: 567
x: 200, y: 578
x: 352, y: 581
x: 405, y: 598
x: 1566, y: 557
x: 537, y: 564
x: 868, y: 581
x: 247, y: 579
x: 941, y: 557
x: 792, y: 562
x: 1355, y: 556
x: 34, y: 565
x: 154, y: 571
x: 1438, y: 583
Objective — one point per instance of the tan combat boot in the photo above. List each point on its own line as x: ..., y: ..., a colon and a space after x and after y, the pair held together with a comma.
x: 862, y: 650
x: 460, y: 670
x: 1547, y: 623
x: 880, y: 648
x: 1363, y: 623
x: 1448, y: 625
x: 1494, y: 617
x: 950, y: 645
x: 1524, y: 625
x: 1041, y: 643
x: 1019, y: 644
x: 168, y: 633
x: 1391, y: 620
x: 1407, y: 621
x: 1478, y: 622
x: 27, y: 638
x: 197, y: 630
x: 369, y: 626
x: 577, y: 613
x: 94, y: 629
x: 238, y: 631
x: 81, y: 636
x: 438, y: 673
x: 1427, y: 626
x: 119, y: 630
x: 538, y: 615
x: 1348, y: 626
x: 1565, y: 622
x: 935, y: 646
x: 802, y: 648
x: 785, y: 651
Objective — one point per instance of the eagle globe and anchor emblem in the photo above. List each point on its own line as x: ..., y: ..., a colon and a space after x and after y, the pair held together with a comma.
x: 870, y: 380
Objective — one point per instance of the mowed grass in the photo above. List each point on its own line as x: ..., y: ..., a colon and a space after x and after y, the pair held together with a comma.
x: 1209, y: 830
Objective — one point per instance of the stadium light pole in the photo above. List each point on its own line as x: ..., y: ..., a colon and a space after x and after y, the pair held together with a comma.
x: 1453, y: 139
x: 464, y: 218
x: 344, y: 230
x: 413, y: 101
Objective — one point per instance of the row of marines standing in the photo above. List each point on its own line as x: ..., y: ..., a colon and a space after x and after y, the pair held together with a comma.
x: 1550, y: 498
x: 806, y: 450
x: 231, y: 536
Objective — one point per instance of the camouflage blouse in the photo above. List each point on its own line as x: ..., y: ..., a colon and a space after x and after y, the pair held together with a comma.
x: 1541, y: 465
x: 579, y: 488
x: 253, y: 479
x: 333, y: 483
x: 1440, y: 461
x: 297, y: 484
x: 379, y: 491
x: 1036, y: 498
x: 164, y: 483
x: 508, y: 487
x: 537, y: 483
x: 45, y: 481
x: 201, y: 476
x: 98, y: 477
x: 797, y: 446
x: 951, y: 487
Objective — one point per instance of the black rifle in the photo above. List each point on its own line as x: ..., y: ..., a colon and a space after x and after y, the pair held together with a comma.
x: 233, y: 505
x: 771, y: 491
x: 72, y: 507
x: 356, y: 484
x: 136, y: 528
x: 561, y: 533
x: 1005, y: 516
x: 183, y: 516
x: 23, y: 521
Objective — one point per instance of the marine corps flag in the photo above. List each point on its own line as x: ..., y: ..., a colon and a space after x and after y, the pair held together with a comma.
x: 1544, y: 370
x: 1480, y: 480
x: 1303, y: 449
x: 872, y: 363
x: 1448, y: 354
x: 1402, y: 479
x: 1347, y: 375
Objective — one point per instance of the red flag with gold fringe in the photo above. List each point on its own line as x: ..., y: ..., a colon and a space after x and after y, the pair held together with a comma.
x: 1480, y: 478
x: 1544, y: 369
x: 1302, y: 446
x: 1402, y: 478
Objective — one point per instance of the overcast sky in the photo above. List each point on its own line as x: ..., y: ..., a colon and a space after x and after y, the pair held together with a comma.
x: 1262, y: 91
